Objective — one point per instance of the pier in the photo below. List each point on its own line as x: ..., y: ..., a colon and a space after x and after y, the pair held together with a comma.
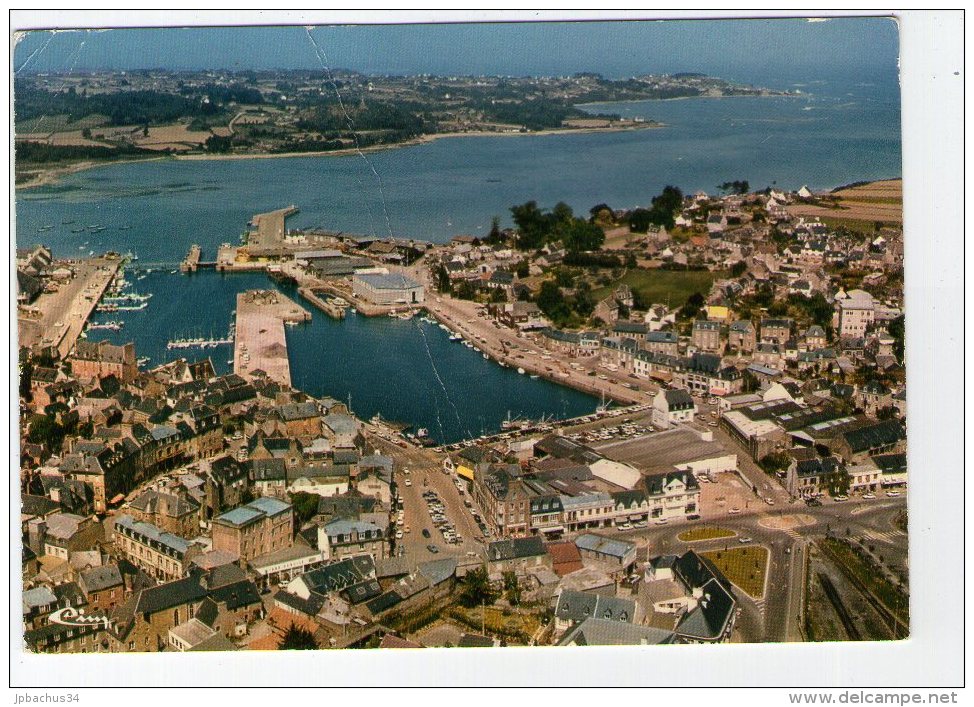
x: 261, y: 344
x: 55, y: 321
x: 193, y: 260
x: 325, y: 304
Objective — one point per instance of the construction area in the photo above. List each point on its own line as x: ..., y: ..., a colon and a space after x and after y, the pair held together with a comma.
x: 261, y: 344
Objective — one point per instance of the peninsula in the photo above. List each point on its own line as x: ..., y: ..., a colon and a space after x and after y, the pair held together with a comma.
x: 70, y: 122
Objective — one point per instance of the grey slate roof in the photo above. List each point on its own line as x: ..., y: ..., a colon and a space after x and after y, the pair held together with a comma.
x: 604, y: 632
x: 577, y: 606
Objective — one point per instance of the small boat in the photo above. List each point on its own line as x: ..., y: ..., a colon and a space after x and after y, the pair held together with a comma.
x: 77, y: 230
x: 124, y: 228
x: 486, y: 356
x: 521, y: 371
x: 67, y: 222
x: 534, y: 376
x: 173, y: 272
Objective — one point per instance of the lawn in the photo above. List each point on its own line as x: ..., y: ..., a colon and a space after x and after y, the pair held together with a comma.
x: 516, y: 627
x: 744, y: 566
x: 697, y: 534
x: 669, y: 287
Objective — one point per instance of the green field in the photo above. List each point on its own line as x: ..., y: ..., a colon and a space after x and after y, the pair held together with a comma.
x: 744, y: 566
x: 697, y: 534
x: 669, y: 287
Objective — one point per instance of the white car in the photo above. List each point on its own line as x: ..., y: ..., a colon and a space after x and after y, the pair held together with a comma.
x: 869, y: 495
x: 745, y: 541
x: 408, y: 482
x: 892, y: 494
x: 734, y: 511
x: 399, y: 535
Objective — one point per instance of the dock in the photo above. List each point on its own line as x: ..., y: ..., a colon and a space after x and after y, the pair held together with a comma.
x: 261, y: 344
x: 193, y: 260
x: 56, y: 320
x: 325, y: 304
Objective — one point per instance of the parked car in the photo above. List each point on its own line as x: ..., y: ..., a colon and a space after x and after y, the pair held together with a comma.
x: 734, y: 511
x: 662, y: 521
x: 813, y: 502
x: 869, y: 495
x: 744, y: 541
x: 432, y: 548
x: 426, y: 532
x: 892, y: 494
x: 840, y: 498
x: 693, y: 516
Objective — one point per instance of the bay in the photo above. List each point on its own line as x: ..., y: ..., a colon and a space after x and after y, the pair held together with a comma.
x: 834, y: 133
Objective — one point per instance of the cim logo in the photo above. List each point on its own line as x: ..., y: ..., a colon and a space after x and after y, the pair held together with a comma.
x: 76, y: 617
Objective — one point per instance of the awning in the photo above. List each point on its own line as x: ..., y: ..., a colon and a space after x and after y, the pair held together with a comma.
x: 718, y: 391
x: 554, y: 529
x: 118, y: 499
x: 639, y: 516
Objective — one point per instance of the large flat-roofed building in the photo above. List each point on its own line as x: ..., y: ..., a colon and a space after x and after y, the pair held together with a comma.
x: 259, y: 528
x: 96, y: 360
x: 390, y: 288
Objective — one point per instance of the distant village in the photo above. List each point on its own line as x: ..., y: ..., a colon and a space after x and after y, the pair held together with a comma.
x: 169, y: 508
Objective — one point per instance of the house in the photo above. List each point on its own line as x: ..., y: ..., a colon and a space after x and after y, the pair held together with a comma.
x: 572, y: 608
x: 706, y: 335
x: 674, y: 494
x: 775, y: 330
x: 616, y: 552
x: 60, y: 534
x: 741, y: 336
x: 343, y: 538
x: 808, y: 474
x: 260, y: 527
x: 93, y: 361
x: 855, y: 311
x: 516, y: 555
x: 565, y: 558
x: 159, y: 554
x: 662, y: 342
x: 103, y: 587
x: 595, y: 631
x: 170, y: 512
x: 672, y: 407
x: 870, y: 439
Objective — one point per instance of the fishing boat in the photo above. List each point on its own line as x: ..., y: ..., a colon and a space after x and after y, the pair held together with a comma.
x: 124, y: 228
x: 486, y: 356
x: 534, y: 376
x: 44, y: 229
x: 521, y: 371
x: 77, y: 230
x: 144, y: 360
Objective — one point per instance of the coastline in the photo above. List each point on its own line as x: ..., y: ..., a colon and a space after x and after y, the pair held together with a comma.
x: 50, y: 176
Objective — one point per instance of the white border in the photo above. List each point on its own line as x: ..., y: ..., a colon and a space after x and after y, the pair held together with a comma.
x: 931, y: 52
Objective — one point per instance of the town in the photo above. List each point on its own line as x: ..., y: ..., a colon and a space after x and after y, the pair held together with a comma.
x: 743, y: 479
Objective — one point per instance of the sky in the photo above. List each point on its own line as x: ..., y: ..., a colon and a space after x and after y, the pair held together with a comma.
x: 742, y: 50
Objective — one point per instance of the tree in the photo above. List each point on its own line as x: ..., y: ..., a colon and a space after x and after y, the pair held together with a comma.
x: 495, y: 237
x: 512, y: 588
x: 522, y: 269
x: 693, y: 306
x: 476, y: 590
x: 887, y: 413
x: 530, y: 222
x: 45, y: 430
x: 639, y: 220
x: 26, y: 371
x: 897, y: 329
x: 665, y: 205
x: 601, y: 213
x: 305, y: 505
x: 552, y: 302
x: 738, y: 268
x: 442, y: 279
x: 297, y: 638
x: 735, y: 187
x: 581, y: 235
x: 773, y: 463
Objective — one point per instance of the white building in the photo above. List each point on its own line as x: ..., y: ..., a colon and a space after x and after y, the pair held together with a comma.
x: 855, y: 312
x: 391, y: 289
x: 671, y: 407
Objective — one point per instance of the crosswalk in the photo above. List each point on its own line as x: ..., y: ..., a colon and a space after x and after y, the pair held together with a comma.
x: 889, y: 536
